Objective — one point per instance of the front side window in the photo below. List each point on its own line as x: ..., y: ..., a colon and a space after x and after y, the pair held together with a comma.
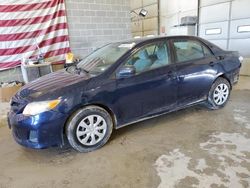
x: 187, y: 50
x: 150, y: 57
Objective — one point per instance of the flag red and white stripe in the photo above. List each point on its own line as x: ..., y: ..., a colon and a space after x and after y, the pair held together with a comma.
x: 26, y: 23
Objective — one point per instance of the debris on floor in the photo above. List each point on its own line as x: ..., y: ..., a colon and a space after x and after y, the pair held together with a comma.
x: 8, y: 89
x: 10, y: 84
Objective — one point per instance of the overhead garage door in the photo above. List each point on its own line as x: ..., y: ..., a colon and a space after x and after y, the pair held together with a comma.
x: 226, y: 23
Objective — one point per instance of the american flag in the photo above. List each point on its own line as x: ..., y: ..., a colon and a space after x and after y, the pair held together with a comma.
x: 24, y: 24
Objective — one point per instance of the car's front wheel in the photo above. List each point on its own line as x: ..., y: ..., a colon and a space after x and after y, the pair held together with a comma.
x: 219, y: 94
x: 89, y: 128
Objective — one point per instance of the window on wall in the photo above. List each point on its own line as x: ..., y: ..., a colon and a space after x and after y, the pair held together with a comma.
x: 243, y: 29
x: 187, y: 50
x: 214, y: 31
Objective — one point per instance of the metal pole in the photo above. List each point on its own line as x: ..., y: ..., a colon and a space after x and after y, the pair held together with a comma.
x: 198, y: 18
x: 229, y: 24
x: 159, y: 17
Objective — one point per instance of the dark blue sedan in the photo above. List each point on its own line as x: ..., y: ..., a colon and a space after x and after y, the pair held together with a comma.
x: 119, y: 84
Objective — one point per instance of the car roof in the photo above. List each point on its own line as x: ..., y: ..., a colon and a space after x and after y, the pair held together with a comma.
x: 138, y: 41
x: 145, y: 39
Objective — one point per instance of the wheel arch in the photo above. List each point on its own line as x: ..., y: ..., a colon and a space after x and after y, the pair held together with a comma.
x: 224, y: 75
x: 104, y: 107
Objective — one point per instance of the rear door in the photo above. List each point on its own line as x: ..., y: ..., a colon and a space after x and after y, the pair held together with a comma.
x: 196, y: 69
x: 153, y: 89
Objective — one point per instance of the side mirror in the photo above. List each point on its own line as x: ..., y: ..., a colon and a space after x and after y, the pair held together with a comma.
x: 75, y: 62
x: 126, y: 72
x: 220, y: 57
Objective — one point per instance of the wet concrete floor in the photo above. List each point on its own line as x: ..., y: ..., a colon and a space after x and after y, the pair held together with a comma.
x: 194, y: 147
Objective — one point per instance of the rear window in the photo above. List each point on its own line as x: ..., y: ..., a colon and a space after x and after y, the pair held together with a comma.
x: 187, y: 50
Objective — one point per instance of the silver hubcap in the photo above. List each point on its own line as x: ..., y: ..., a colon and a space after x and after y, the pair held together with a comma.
x: 91, y: 130
x: 221, y: 93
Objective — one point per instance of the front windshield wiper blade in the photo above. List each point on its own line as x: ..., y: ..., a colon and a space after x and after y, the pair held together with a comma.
x: 76, y: 70
x: 82, y: 70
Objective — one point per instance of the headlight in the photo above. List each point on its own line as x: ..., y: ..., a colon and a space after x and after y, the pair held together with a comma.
x: 35, y: 108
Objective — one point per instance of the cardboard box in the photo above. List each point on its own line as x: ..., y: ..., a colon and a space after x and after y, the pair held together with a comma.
x: 7, y: 92
x: 57, y: 67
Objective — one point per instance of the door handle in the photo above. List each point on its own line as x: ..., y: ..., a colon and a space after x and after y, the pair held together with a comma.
x: 170, y: 74
x: 180, y: 78
x: 211, y: 64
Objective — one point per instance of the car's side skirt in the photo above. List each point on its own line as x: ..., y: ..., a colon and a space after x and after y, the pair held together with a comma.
x: 164, y: 112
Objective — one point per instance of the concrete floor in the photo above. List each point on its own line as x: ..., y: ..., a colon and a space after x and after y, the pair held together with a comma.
x: 195, y: 147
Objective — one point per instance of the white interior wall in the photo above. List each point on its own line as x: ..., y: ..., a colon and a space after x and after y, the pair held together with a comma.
x: 171, y: 12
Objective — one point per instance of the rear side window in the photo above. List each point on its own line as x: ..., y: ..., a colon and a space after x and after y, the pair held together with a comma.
x: 187, y: 50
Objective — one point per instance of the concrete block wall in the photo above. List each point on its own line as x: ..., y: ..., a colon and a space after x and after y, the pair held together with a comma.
x: 93, y: 23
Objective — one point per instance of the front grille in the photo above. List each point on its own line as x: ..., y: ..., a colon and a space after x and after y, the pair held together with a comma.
x: 21, y: 134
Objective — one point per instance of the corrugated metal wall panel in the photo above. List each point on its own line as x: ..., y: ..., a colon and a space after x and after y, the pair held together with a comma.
x: 135, y: 4
x: 241, y: 45
x: 152, y: 10
x: 240, y: 9
x: 236, y: 25
x: 136, y: 27
x: 149, y: 2
x: 227, y: 16
x: 214, y: 13
x: 211, y: 2
x: 148, y: 25
x: 205, y: 28
x: 220, y: 43
x: 233, y: 18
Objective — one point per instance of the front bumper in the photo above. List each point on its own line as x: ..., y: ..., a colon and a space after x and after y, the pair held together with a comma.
x: 40, y: 131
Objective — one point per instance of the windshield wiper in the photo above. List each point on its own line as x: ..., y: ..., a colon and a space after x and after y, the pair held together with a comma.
x: 82, y: 70
x: 76, y: 70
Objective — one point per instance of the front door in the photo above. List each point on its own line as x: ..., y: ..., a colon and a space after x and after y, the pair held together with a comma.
x: 152, y: 89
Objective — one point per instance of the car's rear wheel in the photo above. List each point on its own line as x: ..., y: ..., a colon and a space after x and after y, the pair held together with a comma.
x: 89, y: 128
x: 219, y: 94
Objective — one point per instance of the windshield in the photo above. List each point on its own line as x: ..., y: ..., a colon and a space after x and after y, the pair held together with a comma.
x: 101, y: 59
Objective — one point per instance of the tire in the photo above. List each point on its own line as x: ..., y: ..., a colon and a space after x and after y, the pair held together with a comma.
x: 89, y: 129
x: 219, y: 94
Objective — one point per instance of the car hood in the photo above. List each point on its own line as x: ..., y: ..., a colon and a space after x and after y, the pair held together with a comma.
x: 51, y: 83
